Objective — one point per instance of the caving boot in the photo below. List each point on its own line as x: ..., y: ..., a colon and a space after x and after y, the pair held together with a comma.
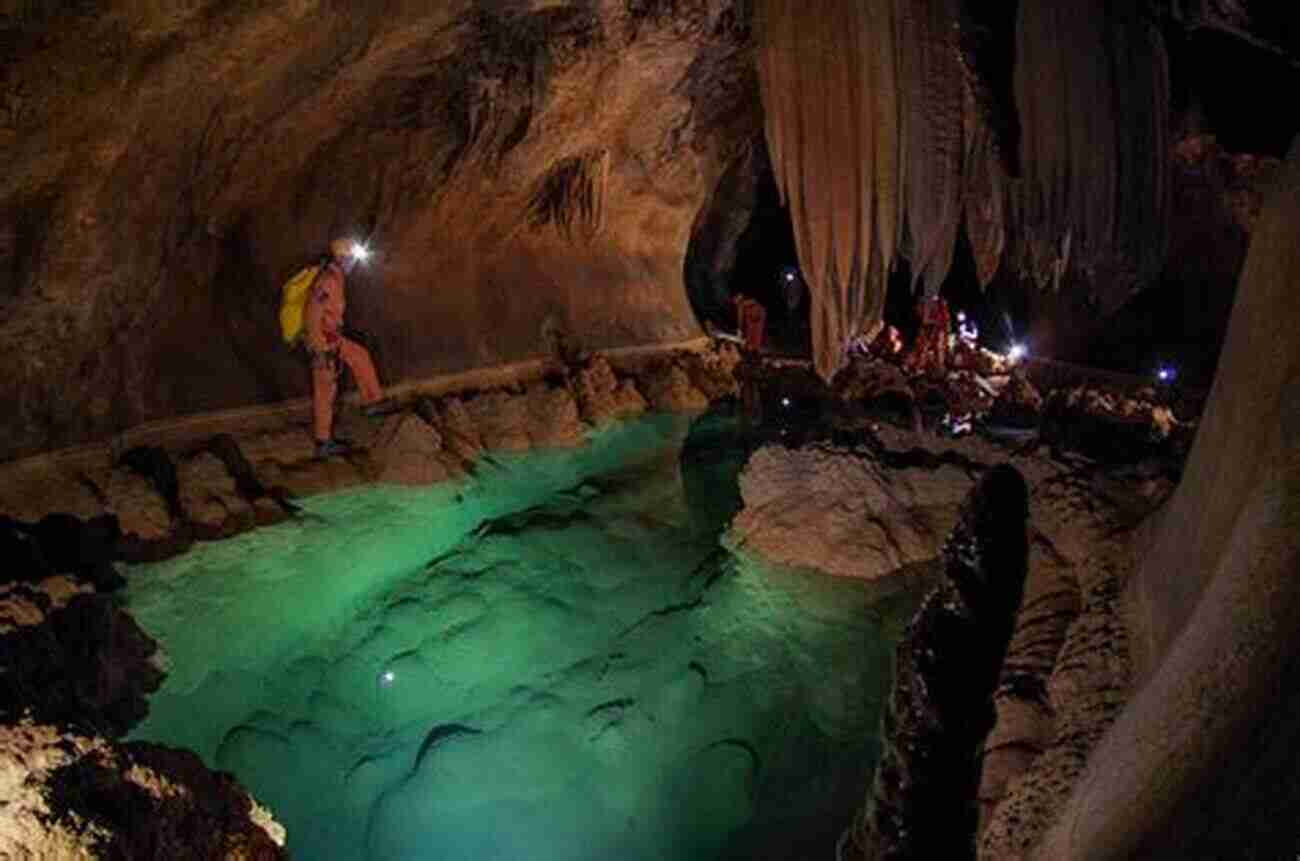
x: 331, y: 448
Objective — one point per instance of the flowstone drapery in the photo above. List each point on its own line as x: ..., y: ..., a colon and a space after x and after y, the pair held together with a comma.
x: 880, y: 151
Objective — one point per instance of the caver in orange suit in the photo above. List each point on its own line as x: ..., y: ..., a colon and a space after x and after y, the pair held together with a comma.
x: 753, y: 320
x: 323, y: 321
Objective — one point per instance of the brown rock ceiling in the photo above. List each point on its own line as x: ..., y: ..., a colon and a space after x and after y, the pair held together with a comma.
x: 522, y: 168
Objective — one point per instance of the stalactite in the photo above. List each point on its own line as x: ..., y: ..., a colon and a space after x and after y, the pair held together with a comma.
x: 1092, y: 92
x: 869, y: 114
x: 863, y: 107
x: 572, y: 195
x: 984, y: 201
x: 933, y: 82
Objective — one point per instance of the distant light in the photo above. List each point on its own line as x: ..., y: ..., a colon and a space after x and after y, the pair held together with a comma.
x: 360, y: 252
x: 1017, y: 352
x: 387, y: 677
x: 1166, y: 374
x: 961, y: 316
x: 789, y: 276
x: 785, y: 402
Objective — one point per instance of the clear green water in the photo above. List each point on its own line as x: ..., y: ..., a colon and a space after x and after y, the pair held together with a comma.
x: 554, y: 659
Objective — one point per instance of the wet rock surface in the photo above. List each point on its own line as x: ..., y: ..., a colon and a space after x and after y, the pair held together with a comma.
x: 75, y: 795
x: 79, y: 661
x: 532, y: 173
x: 874, y: 504
x: 946, y: 667
x: 152, y: 502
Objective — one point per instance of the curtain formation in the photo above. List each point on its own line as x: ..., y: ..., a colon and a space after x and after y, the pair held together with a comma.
x: 1092, y: 87
x: 880, y: 154
x: 829, y: 80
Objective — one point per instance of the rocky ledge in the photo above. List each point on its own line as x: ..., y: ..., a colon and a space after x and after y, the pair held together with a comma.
x: 877, y: 506
x: 153, y: 500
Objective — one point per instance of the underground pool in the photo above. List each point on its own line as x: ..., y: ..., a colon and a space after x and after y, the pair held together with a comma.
x: 555, y: 658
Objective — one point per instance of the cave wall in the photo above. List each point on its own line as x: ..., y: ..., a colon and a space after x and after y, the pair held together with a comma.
x: 522, y: 167
x: 1212, y: 726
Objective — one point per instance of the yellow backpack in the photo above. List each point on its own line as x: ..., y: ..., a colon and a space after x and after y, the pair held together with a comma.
x: 293, y: 301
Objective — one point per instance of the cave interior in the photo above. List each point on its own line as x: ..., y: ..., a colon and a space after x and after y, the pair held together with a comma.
x: 564, y: 199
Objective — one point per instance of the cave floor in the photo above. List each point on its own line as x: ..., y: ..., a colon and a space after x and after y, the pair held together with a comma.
x: 552, y: 659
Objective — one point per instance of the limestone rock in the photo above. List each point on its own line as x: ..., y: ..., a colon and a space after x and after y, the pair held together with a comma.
x: 668, y: 388
x: 287, y: 445
x: 553, y: 420
x: 26, y: 604
x: 209, y: 497
x: 310, y: 476
x: 843, y: 514
x: 501, y: 419
x: 409, y: 453
x: 60, y: 543
x: 86, y: 663
x: 713, y: 371
x: 42, y: 488
x: 74, y: 796
x: 1087, y: 689
x: 1019, y: 403
x: 469, y: 129
x: 459, y: 433
x: 139, y: 507
x: 946, y: 667
x: 602, y: 397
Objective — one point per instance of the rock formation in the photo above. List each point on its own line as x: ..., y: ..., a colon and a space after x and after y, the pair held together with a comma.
x: 1212, y: 724
x: 538, y: 178
x: 945, y: 671
x: 521, y: 169
x: 73, y: 796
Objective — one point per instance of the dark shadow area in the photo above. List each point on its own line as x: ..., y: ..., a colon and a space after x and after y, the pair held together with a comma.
x: 1221, y: 80
x: 767, y: 269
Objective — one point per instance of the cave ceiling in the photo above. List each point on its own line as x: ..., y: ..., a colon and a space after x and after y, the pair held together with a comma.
x: 523, y: 168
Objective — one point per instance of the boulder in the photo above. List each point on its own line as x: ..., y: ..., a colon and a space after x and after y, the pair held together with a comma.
x: 844, y: 514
